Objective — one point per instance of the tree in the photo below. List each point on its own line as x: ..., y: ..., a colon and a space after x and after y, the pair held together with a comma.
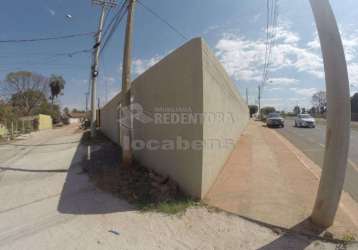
x: 303, y: 110
x: 312, y: 111
x: 6, y: 112
x: 25, y: 103
x: 253, y: 109
x: 354, y: 103
x: 297, y: 110
x: 267, y: 110
x: 57, y: 84
x: 50, y: 109
x: 66, y: 111
x: 22, y: 81
x: 319, y: 100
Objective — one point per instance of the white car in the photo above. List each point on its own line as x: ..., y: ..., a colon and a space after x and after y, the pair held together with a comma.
x: 305, y: 120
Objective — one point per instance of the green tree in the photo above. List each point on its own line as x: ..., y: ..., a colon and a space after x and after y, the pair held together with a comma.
x: 267, y: 110
x: 297, y: 110
x: 253, y: 109
x: 66, y: 111
x: 57, y: 84
x: 319, y: 100
x: 25, y: 103
x: 6, y: 112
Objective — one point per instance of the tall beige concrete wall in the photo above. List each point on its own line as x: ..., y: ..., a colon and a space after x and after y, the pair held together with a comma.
x: 109, y: 119
x: 175, y: 82
x: 228, y: 115
x: 188, y: 81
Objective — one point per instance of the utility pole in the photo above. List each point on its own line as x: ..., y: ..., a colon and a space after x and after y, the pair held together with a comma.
x: 338, y: 115
x: 86, y: 94
x: 125, y: 133
x: 94, y: 67
x: 247, y: 96
x: 106, y: 91
x: 259, y: 100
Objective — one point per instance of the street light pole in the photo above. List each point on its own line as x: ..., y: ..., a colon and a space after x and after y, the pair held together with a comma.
x: 125, y: 132
x: 338, y: 115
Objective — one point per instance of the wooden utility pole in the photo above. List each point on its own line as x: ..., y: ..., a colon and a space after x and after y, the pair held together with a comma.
x: 125, y: 132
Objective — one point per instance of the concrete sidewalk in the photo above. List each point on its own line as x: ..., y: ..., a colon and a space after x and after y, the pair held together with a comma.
x: 269, y: 180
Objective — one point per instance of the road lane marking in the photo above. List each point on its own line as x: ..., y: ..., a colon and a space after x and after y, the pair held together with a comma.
x: 316, y: 172
x: 350, y: 162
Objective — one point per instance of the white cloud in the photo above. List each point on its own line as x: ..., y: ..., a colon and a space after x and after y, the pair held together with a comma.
x: 244, y: 58
x: 284, y: 104
x: 141, y: 65
x: 307, y: 92
x: 350, y: 44
x: 241, y: 57
x: 282, y: 82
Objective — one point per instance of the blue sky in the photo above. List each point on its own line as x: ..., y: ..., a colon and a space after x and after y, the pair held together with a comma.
x: 235, y: 30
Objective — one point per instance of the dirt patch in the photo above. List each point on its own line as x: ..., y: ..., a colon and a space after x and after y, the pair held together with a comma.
x: 138, y: 185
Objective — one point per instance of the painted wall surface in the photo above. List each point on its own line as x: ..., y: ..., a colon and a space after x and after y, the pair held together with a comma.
x: 227, y: 116
x: 3, y: 130
x: 175, y: 82
x: 176, y: 94
x: 45, y: 122
x: 74, y: 120
x: 109, y: 119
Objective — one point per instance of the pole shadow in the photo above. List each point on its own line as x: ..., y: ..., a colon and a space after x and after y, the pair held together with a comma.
x: 298, y: 237
x: 79, y: 195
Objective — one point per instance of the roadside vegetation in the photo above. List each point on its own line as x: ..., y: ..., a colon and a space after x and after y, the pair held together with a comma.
x: 147, y: 190
x: 26, y: 94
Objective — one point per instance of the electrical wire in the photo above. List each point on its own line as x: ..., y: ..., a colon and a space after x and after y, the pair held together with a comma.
x: 116, y: 20
x: 271, y: 32
x: 163, y: 20
x: 48, y: 38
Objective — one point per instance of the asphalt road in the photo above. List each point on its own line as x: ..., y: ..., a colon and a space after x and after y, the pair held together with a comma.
x: 312, y: 142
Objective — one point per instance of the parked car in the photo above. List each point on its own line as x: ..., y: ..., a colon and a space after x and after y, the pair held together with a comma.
x: 305, y: 120
x: 275, y: 120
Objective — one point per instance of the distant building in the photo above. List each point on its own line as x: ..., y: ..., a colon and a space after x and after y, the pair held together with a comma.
x: 75, y: 117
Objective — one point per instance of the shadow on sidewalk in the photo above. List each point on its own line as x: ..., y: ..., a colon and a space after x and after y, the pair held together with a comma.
x: 298, y: 237
x: 79, y: 195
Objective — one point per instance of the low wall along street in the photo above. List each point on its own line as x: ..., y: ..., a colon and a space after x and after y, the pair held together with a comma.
x: 187, y: 117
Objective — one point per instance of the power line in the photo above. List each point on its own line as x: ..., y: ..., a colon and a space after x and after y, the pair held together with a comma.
x: 116, y: 20
x: 48, y: 38
x: 163, y: 20
x: 271, y: 31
